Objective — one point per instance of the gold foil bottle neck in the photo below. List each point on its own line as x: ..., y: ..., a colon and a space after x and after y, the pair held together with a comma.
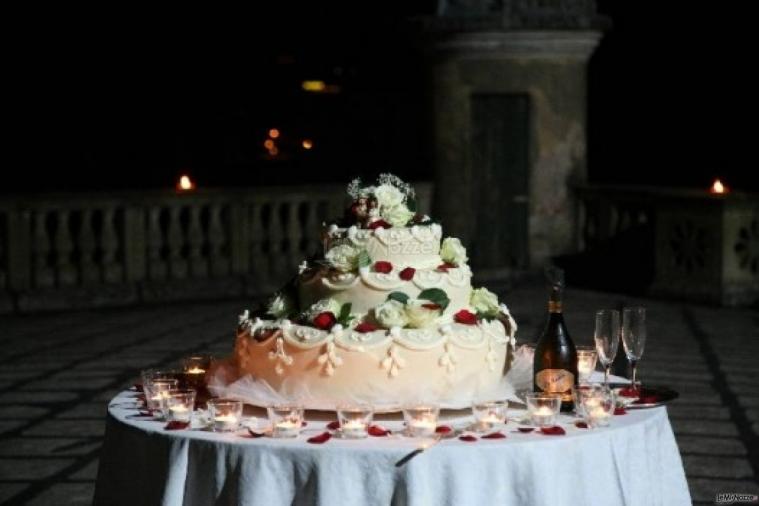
x: 554, y: 306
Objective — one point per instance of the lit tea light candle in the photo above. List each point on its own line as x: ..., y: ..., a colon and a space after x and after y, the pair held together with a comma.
x: 196, y: 370
x: 422, y: 427
x: 226, y: 423
x: 543, y: 416
x: 586, y: 363
x: 355, y: 429
x: 287, y: 428
x: 598, y: 416
x: 180, y: 413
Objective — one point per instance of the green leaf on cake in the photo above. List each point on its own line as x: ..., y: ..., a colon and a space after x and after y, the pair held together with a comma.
x: 399, y: 297
x: 364, y: 260
x: 487, y: 315
x: 345, y: 314
x: 436, y: 296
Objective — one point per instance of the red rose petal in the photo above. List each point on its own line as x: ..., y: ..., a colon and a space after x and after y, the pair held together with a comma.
x: 325, y: 320
x: 333, y: 425
x: 620, y: 411
x: 255, y: 434
x: 494, y: 435
x: 365, y: 327
x: 525, y: 429
x: 553, y: 431
x: 303, y: 423
x: 465, y: 317
x: 383, y: 267
x: 379, y: 223
x: 445, y: 266
x: 629, y: 392
x: 407, y: 274
x: 443, y: 429
x: 581, y: 425
x: 176, y: 425
x: 378, y: 431
x: 320, y: 439
x: 431, y: 306
x: 468, y: 438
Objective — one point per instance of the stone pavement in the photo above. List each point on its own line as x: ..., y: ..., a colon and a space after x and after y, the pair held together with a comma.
x: 59, y: 371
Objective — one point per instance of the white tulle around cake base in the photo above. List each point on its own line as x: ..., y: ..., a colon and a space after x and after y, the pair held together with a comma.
x: 228, y: 381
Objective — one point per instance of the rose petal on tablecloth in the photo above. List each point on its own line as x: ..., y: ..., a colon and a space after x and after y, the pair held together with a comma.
x: 303, y: 423
x: 494, y: 435
x: 468, y: 438
x: 581, y: 425
x: 629, y: 392
x: 320, y: 439
x: 176, y: 425
x: 553, y: 431
x: 443, y: 429
x: 525, y: 429
x: 378, y: 431
x: 333, y: 425
x: 620, y: 411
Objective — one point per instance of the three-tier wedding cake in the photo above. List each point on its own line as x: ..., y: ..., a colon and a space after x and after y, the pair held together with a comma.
x: 386, y: 315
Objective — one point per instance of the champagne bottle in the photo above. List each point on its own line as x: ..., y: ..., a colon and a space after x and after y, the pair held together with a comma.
x: 555, y: 363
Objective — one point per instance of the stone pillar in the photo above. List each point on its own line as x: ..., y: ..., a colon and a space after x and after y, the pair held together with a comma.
x: 548, y: 67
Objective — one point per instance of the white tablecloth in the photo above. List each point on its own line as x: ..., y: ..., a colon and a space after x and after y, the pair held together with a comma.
x: 633, y: 462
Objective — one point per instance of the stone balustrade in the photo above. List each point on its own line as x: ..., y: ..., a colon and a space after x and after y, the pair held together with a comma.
x: 705, y: 247
x: 76, y: 250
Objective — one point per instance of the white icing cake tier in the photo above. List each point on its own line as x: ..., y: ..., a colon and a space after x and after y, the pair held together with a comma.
x: 366, y: 289
x: 453, y: 363
x: 417, y: 246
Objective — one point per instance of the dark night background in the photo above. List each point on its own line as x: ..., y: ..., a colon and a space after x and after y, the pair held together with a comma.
x: 124, y: 103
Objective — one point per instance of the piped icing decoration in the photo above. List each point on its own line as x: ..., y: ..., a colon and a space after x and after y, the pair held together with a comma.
x: 393, y: 362
x: 491, y: 357
x: 281, y: 358
x: 340, y: 281
x: 448, y: 359
x: 329, y: 359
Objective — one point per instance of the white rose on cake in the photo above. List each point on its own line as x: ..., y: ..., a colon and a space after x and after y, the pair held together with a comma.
x: 484, y: 301
x: 452, y: 251
x: 323, y: 306
x: 343, y: 257
x: 421, y: 313
x: 280, y: 306
x: 388, y: 196
x: 397, y: 216
x: 391, y: 314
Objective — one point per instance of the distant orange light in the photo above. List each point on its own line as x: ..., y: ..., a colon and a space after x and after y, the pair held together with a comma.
x: 269, y: 144
x: 273, y: 133
x: 185, y: 184
x: 718, y: 187
x: 307, y: 144
x: 274, y: 151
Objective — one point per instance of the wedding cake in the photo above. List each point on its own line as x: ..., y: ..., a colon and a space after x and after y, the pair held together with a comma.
x: 385, y: 315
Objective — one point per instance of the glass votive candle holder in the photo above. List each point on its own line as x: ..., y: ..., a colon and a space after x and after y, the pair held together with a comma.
x: 489, y: 413
x: 179, y: 405
x: 196, y: 364
x: 225, y: 414
x: 543, y: 408
x: 578, y: 393
x: 586, y: 363
x: 157, y: 391
x: 286, y: 420
x: 598, y: 406
x: 421, y: 420
x: 355, y: 420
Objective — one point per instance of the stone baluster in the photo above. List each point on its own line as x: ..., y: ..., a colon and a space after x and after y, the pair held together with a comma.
x: 217, y: 240
x: 276, y: 229
x: 88, y: 271
x: 294, y: 233
x: 311, y: 228
x: 109, y: 245
x: 43, y: 274
x: 175, y: 239
x: 64, y: 246
x: 195, y: 236
x: 258, y: 256
x: 157, y: 270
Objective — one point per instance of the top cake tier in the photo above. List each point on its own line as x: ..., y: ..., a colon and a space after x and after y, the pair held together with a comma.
x: 417, y: 246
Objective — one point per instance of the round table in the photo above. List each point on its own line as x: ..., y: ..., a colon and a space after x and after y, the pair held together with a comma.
x: 634, y: 461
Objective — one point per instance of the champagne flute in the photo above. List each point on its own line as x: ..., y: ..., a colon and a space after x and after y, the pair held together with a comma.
x: 634, y: 336
x: 606, y: 337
